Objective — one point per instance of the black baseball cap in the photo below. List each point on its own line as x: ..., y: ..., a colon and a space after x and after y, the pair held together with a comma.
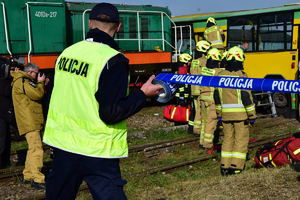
x: 105, y: 9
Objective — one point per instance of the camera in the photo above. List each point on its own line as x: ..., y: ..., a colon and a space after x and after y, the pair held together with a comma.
x: 6, y: 65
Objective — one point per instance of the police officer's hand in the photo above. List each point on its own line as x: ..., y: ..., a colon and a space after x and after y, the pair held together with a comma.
x: 150, y: 89
x: 41, y: 77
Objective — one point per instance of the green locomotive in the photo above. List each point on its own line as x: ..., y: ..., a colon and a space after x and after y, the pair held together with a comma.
x: 40, y: 30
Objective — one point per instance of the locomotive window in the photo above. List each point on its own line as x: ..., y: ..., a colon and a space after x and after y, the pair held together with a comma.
x: 144, y: 22
x: 120, y: 33
x: 132, y: 27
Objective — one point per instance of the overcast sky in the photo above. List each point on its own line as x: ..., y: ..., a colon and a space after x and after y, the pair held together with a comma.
x: 187, y: 7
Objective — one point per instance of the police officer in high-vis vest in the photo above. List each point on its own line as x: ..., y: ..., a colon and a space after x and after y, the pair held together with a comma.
x: 88, y: 107
x: 236, y: 108
x: 208, y: 109
x: 214, y: 34
x: 199, y: 62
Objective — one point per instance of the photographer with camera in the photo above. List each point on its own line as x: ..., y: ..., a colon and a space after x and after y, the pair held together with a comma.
x: 27, y: 97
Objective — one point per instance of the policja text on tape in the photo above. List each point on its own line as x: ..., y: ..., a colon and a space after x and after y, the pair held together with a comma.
x: 273, y: 85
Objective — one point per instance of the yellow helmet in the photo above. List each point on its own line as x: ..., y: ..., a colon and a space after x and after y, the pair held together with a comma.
x: 224, y: 55
x: 185, y: 58
x: 235, y: 53
x: 202, y: 46
x: 214, y: 54
x: 212, y: 20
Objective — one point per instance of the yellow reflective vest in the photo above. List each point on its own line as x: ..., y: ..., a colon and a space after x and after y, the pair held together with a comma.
x: 73, y: 122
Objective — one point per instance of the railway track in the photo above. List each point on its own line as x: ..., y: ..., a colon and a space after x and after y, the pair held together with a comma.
x: 149, y: 150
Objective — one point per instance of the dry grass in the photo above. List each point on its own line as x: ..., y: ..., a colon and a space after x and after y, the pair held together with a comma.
x: 278, y: 183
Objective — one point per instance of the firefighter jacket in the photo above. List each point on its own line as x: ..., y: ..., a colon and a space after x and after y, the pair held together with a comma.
x: 196, y: 66
x: 213, y: 34
x: 27, y: 100
x: 73, y: 122
x: 183, y: 89
x: 234, y: 104
x: 207, y: 93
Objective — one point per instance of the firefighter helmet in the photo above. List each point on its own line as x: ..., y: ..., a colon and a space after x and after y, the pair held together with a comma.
x: 235, y: 53
x: 185, y: 58
x: 214, y: 54
x: 212, y: 20
x: 224, y: 55
x: 202, y: 46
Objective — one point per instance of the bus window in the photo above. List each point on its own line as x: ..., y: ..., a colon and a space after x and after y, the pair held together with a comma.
x: 242, y: 29
x: 275, y: 32
x: 264, y: 33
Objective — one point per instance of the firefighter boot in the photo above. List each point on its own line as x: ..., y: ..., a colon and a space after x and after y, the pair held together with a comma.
x: 224, y: 172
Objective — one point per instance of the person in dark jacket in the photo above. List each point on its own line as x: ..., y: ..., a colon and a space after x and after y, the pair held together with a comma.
x: 88, y: 107
x: 5, y: 103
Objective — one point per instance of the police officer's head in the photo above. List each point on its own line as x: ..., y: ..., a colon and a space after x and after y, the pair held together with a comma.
x: 235, y: 59
x: 105, y: 17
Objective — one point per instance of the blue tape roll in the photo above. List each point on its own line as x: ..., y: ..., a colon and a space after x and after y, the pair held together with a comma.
x: 168, y: 91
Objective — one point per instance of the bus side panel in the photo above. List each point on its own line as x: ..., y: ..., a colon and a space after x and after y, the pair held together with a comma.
x: 275, y: 63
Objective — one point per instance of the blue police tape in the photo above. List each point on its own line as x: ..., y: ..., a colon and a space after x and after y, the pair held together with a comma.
x: 273, y: 85
x: 167, y: 92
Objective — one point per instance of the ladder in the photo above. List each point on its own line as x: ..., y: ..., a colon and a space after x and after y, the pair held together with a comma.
x: 270, y: 103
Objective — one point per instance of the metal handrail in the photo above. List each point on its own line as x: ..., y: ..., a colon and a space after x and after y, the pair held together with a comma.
x: 5, y: 28
x: 181, y: 37
x: 139, y: 39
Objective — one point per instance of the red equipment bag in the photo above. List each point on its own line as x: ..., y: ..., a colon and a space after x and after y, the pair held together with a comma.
x: 175, y: 113
x: 273, y: 154
x: 294, y: 148
x: 279, y: 153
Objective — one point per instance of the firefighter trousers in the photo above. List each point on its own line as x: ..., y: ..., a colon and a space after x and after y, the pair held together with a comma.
x: 34, y: 158
x: 235, y: 145
x: 197, y: 120
x: 209, y: 123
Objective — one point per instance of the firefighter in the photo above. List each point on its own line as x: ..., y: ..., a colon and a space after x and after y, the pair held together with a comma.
x: 183, y: 93
x: 237, y: 110
x: 208, y: 109
x: 214, y: 34
x: 199, y: 62
x: 223, y: 62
